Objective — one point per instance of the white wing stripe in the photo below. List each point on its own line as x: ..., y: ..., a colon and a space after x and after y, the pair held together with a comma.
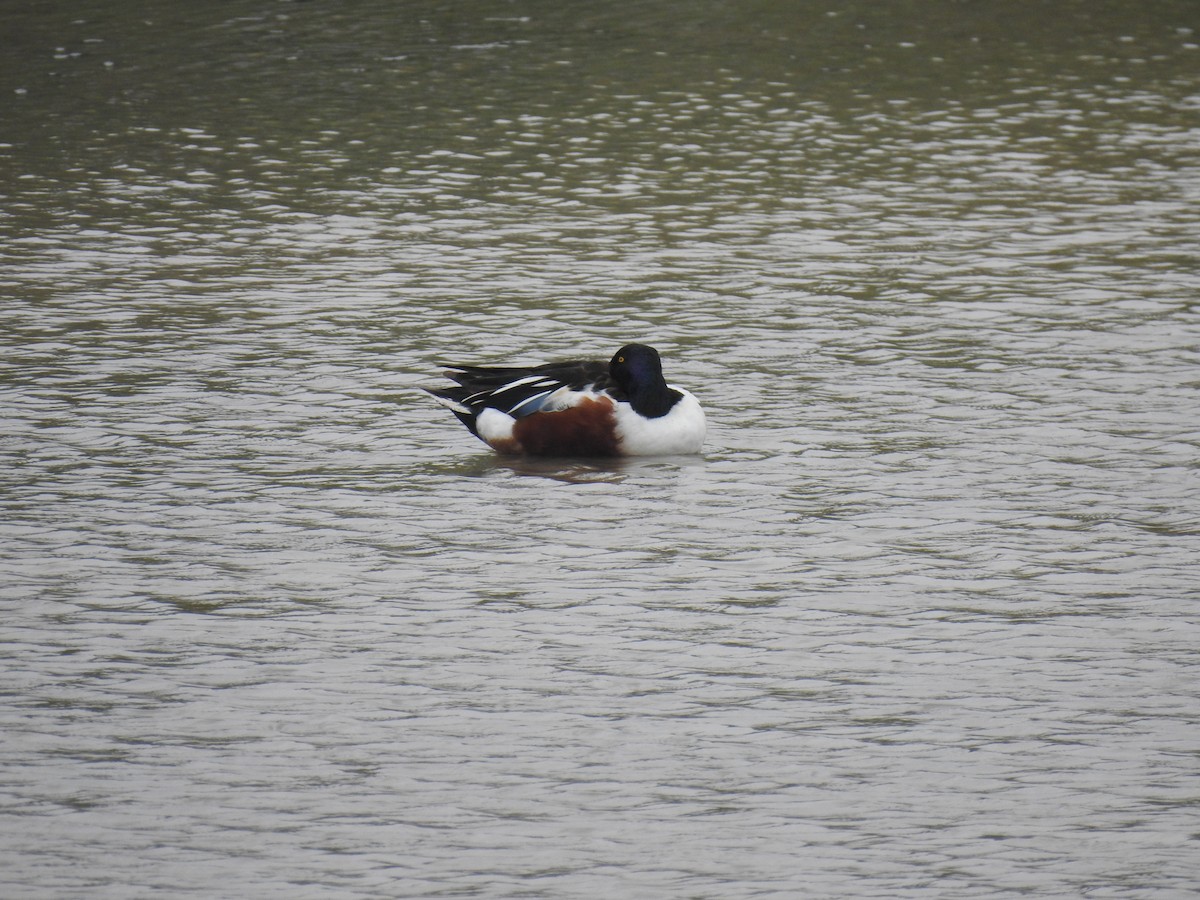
x: 533, y: 380
x: 527, y: 401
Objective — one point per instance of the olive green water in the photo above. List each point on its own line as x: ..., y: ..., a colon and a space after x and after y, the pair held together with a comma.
x: 921, y: 621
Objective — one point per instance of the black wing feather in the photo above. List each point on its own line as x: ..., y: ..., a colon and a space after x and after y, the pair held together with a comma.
x: 575, y: 375
x: 483, y: 386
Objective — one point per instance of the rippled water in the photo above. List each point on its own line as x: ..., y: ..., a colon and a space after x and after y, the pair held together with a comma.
x: 921, y: 621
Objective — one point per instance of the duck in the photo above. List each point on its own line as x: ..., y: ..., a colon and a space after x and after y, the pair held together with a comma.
x: 581, y: 408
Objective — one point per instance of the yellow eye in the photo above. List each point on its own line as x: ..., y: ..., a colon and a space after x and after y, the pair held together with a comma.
x: 620, y: 359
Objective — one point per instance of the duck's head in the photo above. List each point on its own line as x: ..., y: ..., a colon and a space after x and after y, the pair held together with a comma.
x: 637, y: 369
x: 636, y: 366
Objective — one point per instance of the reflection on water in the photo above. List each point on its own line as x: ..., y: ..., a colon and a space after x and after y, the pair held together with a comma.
x: 920, y: 620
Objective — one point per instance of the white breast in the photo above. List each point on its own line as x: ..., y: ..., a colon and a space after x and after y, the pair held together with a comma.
x: 681, y: 430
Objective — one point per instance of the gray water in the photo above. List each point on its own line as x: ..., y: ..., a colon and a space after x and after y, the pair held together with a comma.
x: 920, y: 621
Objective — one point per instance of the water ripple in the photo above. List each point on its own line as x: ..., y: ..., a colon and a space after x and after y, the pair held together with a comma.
x: 920, y: 619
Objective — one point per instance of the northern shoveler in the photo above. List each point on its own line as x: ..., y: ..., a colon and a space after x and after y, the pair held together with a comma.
x: 622, y: 408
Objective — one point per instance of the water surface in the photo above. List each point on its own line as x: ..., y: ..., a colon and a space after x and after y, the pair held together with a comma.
x: 921, y: 620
